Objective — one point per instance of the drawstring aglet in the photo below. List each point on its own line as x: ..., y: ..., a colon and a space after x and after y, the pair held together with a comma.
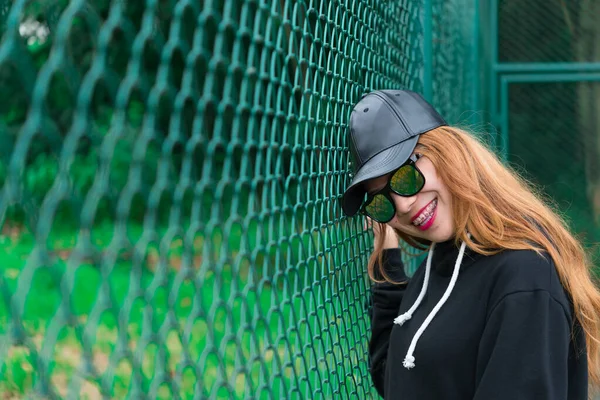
x: 401, y: 319
x: 409, y: 362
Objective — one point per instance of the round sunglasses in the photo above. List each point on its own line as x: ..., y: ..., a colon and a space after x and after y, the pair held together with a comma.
x: 406, y: 181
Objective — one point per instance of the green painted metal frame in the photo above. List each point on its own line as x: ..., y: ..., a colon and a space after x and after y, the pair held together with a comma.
x: 475, y: 60
x: 562, y: 67
x: 427, y: 22
x: 506, y: 80
x: 504, y: 73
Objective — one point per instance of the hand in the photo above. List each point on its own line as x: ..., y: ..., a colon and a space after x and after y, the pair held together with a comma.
x: 391, y: 240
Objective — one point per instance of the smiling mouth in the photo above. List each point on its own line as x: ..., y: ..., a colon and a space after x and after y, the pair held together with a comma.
x: 426, y: 214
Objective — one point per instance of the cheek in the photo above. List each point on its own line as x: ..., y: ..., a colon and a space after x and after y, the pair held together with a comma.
x: 447, y: 215
x: 434, y: 185
x: 395, y: 223
x: 445, y: 194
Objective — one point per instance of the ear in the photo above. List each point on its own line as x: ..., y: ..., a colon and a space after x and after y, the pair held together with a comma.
x: 417, y: 151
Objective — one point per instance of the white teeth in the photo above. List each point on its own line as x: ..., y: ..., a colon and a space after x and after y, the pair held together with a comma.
x: 426, y: 214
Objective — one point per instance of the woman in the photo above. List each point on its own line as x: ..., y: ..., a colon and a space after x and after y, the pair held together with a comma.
x: 504, y: 307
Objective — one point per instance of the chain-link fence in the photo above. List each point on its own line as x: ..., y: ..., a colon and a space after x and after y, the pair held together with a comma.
x: 170, y: 175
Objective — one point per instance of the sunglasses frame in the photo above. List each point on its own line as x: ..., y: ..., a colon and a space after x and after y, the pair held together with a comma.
x: 385, y: 191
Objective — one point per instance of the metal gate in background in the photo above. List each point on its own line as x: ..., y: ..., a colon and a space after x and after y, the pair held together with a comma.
x: 544, y: 86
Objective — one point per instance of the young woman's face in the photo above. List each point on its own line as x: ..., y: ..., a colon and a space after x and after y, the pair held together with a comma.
x: 427, y: 214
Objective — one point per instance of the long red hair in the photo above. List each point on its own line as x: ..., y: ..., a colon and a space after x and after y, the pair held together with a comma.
x: 499, y: 208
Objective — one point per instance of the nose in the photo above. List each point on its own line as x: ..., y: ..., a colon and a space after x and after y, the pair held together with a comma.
x: 403, y: 204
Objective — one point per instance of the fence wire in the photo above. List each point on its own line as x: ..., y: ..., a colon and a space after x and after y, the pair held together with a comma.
x: 170, y: 173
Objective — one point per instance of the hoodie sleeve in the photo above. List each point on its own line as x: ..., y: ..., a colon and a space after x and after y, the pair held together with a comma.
x: 524, y: 349
x: 386, y: 300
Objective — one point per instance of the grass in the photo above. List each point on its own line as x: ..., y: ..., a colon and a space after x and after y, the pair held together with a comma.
x: 229, y: 329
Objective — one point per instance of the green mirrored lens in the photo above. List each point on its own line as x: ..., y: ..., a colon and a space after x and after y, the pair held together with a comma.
x: 380, y: 208
x: 407, y: 181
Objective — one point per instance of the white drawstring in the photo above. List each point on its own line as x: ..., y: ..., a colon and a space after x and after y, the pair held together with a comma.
x: 409, y: 360
x: 401, y: 319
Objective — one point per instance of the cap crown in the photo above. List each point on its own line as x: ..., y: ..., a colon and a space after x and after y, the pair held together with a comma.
x: 385, y: 118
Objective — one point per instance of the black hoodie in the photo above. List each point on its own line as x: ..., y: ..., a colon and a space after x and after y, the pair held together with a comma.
x: 506, y: 332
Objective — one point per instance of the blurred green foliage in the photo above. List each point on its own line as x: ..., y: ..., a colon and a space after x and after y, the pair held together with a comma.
x: 106, y: 119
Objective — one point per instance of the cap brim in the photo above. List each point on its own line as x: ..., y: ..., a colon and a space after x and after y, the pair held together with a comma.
x: 379, y: 165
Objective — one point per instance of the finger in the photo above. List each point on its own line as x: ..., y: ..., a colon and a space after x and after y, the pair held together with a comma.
x: 368, y: 223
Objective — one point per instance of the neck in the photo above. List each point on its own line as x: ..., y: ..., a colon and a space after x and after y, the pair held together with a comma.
x: 445, y: 255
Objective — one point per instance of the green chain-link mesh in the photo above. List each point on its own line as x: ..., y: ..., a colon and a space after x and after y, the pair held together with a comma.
x: 170, y: 175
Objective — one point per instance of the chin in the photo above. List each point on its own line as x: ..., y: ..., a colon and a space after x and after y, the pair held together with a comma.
x: 441, y: 234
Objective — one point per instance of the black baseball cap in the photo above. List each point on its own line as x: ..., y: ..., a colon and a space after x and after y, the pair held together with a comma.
x: 383, y: 131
